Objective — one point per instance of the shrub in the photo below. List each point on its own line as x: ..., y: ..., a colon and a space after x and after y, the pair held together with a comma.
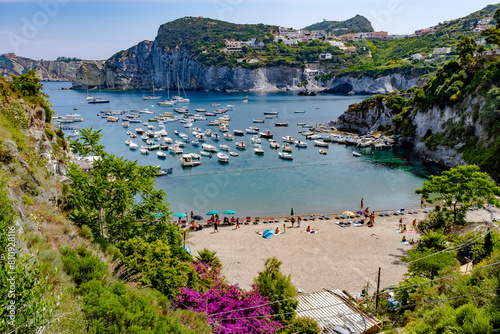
x: 82, y: 265
x: 86, y: 232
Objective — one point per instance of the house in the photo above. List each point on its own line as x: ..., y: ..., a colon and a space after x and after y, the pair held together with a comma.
x: 421, y: 32
x: 335, y: 313
x: 232, y: 47
x: 349, y: 49
x: 441, y: 51
x: 337, y: 44
x: 325, y: 56
x: 253, y: 44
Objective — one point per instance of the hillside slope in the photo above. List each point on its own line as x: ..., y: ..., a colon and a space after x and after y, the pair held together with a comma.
x: 356, y: 24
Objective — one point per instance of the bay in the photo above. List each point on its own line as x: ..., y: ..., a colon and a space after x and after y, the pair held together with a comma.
x: 255, y: 185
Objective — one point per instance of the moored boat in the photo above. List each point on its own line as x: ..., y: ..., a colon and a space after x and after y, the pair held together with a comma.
x: 223, y: 157
x: 241, y: 145
x: 285, y: 156
x: 188, y: 161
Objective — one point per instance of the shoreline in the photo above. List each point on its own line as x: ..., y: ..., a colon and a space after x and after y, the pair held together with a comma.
x: 345, y: 258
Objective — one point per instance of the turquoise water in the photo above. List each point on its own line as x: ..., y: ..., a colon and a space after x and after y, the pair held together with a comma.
x: 258, y: 185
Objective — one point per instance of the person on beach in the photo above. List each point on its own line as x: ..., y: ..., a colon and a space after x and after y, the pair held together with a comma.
x: 362, y: 206
x: 404, y: 239
x: 284, y: 228
x: 216, y: 228
x: 404, y: 227
x: 400, y: 224
x: 292, y: 221
x: 277, y: 231
x: 192, y: 214
x: 422, y: 202
x: 414, y: 225
x: 237, y: 222
x: 299, y: 220
x: 309, y: 230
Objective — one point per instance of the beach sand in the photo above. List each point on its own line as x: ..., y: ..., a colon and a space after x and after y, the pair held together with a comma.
x: 333, y: 258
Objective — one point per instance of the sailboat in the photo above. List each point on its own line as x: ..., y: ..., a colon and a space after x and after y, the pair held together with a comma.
x: 151, y: 97
x: 167, y: 102
x: 178, y: 97
x: 98, y: 99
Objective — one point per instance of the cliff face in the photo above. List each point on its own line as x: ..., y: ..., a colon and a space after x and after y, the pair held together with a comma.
x: 47, y: 70
x: 138, y: 67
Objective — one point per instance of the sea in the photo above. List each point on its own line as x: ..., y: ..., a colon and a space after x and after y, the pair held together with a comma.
x: 253, y: 185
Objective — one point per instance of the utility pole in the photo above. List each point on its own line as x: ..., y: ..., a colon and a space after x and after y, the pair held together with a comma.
x: 378, y: 286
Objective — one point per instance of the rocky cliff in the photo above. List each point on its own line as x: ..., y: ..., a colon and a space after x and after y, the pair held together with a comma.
x: 367, y: 85
x: 47, y: 70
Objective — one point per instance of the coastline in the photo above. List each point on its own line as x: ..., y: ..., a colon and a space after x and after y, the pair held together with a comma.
x: 337, y: 257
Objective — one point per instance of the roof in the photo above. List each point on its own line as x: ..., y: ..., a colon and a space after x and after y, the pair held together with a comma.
x: 334, y: 313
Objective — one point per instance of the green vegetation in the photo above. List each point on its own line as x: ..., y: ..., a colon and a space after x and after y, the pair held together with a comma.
x: 356, y: 24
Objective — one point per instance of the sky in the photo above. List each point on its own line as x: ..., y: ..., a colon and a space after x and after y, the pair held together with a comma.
x: 97, y: 29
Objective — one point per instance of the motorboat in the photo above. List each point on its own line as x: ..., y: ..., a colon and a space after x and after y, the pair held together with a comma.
x: 271, y: 112
x: 195, y: 143
x: 224, y: 147
x: 223, y: 157
x: 266, y: 135
x: 313, y: 137
x: 195, y: 156
x: 300, y: 144
x: 288, y: 139
x: 274, y: 144
x: 285, y: 156
x: 139, y: 131
x: 280, y: 124
x: 349, y: 140
x: 271, y: 116
x: 188, y: 161
x: 164, y: 171
x: 258, y: 121
x: 241, y: 145
x: 166, y: 103
x: 161, y: 155
x: 200, y: 110
x: 176, y: 149
x: 133, y: 146
x: 287, y: 147
x: 154, y: 147
x: 356, y: 154
x: 163, y: 147
x: 223, y: 127
x: 234, y: 154
x: 215, y: 104
x: 181, y: 110
x: 126, y: 124
x: 209, y: 148
x: 228, y: 136
x: 252, y: 130
x: 206, y: 153
x: 210, y: 114
x: 180, y: 143
x: 128, y: 142
x: 323, y: 152
x: 258, y: 150
x: 167, y: 140
x: 300, y: 111
x: 256, y: 140
x: 341, y: 140
x: 215, y: 136
x: 144, y: 151
x: 320, y: 143
x: 238, y: 133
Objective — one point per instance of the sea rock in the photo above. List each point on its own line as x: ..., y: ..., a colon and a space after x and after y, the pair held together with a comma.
x: 367, y: 85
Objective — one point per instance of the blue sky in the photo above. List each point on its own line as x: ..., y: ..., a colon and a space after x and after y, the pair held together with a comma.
x: 91, y: 29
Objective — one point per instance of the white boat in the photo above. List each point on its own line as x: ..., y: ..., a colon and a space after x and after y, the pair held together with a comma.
x: 144, y: 151
x: 223, y: 157
x: 228, y: 136
x: 313, y: 137
x: 252, y: 130
x: 258, y: 151
x: 271, y: 112
x: 223, y: 127
x: 274, y: 144
x: 188, y: 125
x: 161, y: 155
x: 215, y: 136
x: 208, y: 132
x: 349, y: 140
x: 75, y: 133
x: 195, y: 156
x: 341, y: 140
x: 234, y: 154
x: 323, y: 152
x: 180, y: 143
x: 241, y: 145
x: 320, y: 143
x: 128, y: 142
x: 167, y: 140
x: 209, y: 148
x: 146, y: 111
x: 200, y: 110
x: 300, y: 144
x: 206, y: 153
x: 356, y: 154
x: 133, y: 146
x: 287, y: 147
x: 151, y: 97
x: 224, y: 147
x: 256, y: 140
x: 166, y: 103
x: 139, y: 130
x: 188, y: 161
x: 288, y: 139
x: 176, y: 149
x: 125, y: 124
x: 178, y: 97
x: 258, y: 121
x: 181, y: 110
x: 285, y: 156
x: 238, y: 133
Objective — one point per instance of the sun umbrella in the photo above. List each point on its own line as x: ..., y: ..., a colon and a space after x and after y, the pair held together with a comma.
x: 187, y: 249
x: 268, y: 234
x: 197, y: 217
x: 349, y: 213
x: 229, y: 212
x: 213, y: 212
x: 291, y: 212
x: 360, y: 212
x: 179, y: 214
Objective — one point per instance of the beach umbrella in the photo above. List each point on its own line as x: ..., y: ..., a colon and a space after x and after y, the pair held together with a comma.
x: 187, y: 248
x: 348, y: 213
x: 268, y: 234
x: 291, y: 212
x: 229, y: 212
x: 197, y: 217
x: 179, y: 214
x: 360, y: 212
x: 213, y: 212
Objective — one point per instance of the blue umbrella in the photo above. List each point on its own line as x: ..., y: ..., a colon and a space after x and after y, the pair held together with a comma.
x: 229, y: 212
x: 187, y: 249
x: 268, y: 234
x: 179, y: 214
x: 213, y: 212
x: 197, y: 217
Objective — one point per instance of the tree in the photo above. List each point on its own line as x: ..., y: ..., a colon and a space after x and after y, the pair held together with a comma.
x: 88, y: 144
x: 208, y: 257
x: 466, y: 48
x: 279, y: 289
x: 459, y: 189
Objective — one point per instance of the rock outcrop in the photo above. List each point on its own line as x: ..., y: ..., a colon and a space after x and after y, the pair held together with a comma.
x: 47, y: 70
x: 367, y: 85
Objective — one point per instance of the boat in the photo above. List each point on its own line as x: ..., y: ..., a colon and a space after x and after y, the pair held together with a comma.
x: 206, y: 153
x: 201, y: 110
x: 258, y: 150
x: 215, y: 104
x: 313, y: 137
x: 161, y: 155
x: 224, y: 147
x: 274, y: 144
x: 164, y: 171
x: 280, y: 124
x: 215, y: 136
x: 75, y: 133
x: 234, y: 154
x: 195, y: 156
x: 128, y: 142
x: 97, y: 100
x: 241, y: 145
x: 178, y: 97
x: 300, y: 112
x: 271, y: 113
x: 180, y: 143
x: 151, y: 97
x: 287, y: 147
x: 139, y: 131
x: 188, y: 161
x: 195, y: 143
x: 144, y: 151
x: 176, y: 149
x: 223, y: 157
x: 228, y: 136
x: 238, y: 133
x: 209, y: 148
x: 271, y: 116
x: 349, y: 140
x: 163, y: 147
x: 300, y: 144
x: 288, y: 139
x: 154, y: 147
x: 285, y: 156
x: 256, y: 140
x: 181, y: 110
x: 126, y: 124
x: 258, y: 121
x: 166, y: 103
x: 323, y: 152
x: 320, y: 143
x: 167, y: 140
x: 252, y: 130
x: 341, y: 140
x: 223, y: 127
x: 133, y: 146
x: 266, y: 135
x: 210, y: 114
x: 356, y: 154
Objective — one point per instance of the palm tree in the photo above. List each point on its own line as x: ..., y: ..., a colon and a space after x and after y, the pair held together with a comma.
x: 434, y: 240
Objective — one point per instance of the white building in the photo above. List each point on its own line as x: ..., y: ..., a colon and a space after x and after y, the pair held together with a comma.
x: 325, y: 56
x: 337, y: 44
x: 417, y: 56
x: 441, y: 51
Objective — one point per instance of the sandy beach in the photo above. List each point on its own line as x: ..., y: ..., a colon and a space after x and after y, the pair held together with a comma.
x: 335, y: 257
